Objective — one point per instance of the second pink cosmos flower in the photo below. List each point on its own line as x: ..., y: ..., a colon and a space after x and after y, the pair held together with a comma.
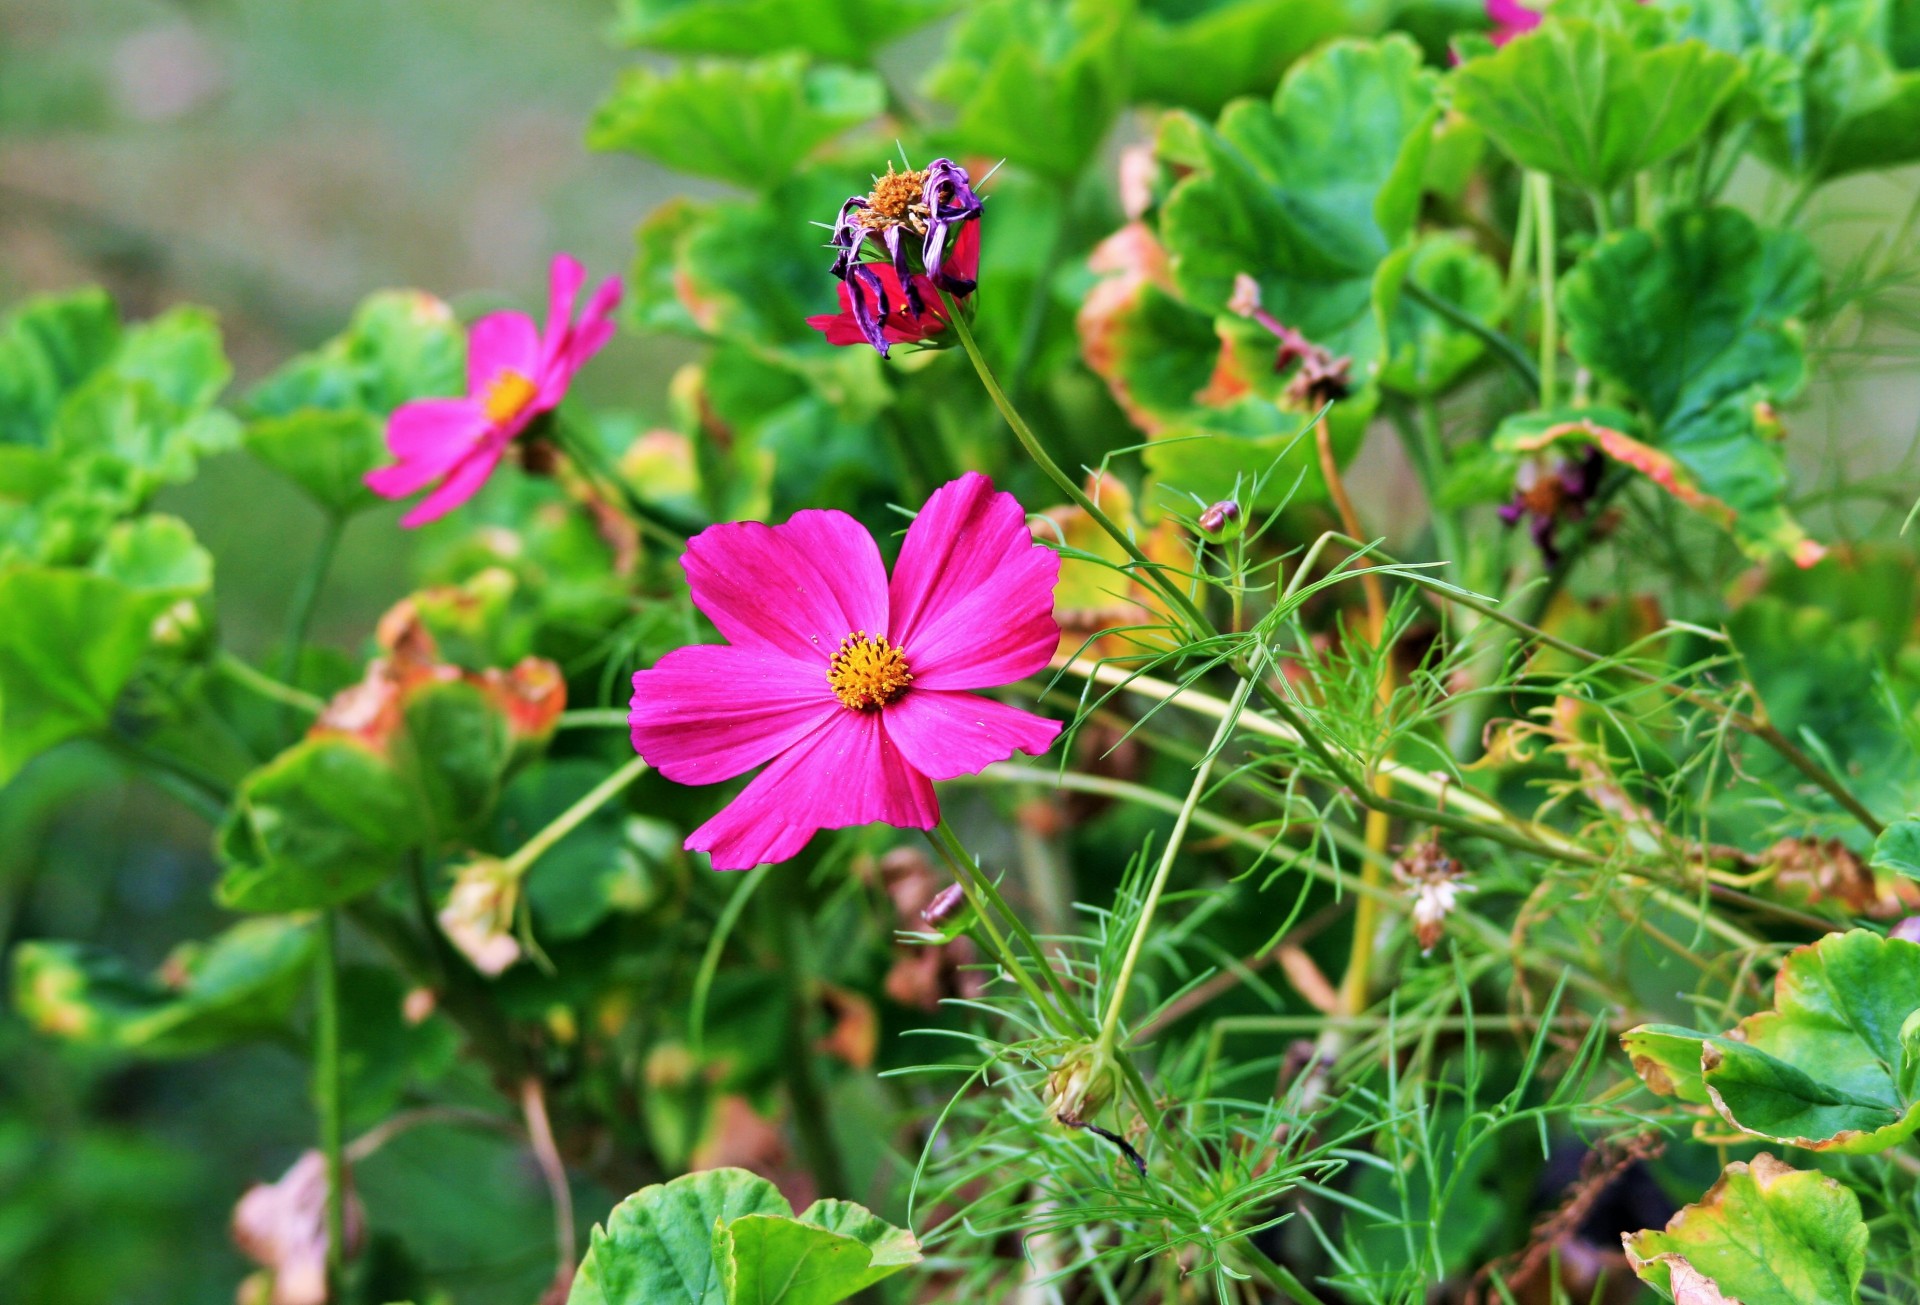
x: 854, y: 691
x: 515, y: 372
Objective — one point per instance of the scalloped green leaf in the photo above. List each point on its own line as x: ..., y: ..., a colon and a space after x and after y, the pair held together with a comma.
x: 847, y: 30
x: 327, y: 454
x: 156, y: 555
x: 1699, y: 322
x: 1012, y: 65
x: 1898, y: 848
x: 1765, y: 1234
x: 48, y: 345
x: 1830, y: 1068
x: 657, y: 1247
x: 239, y: 985
x: 1200, y: 55
x: 1590, y: 104
x: 318, y: 825
x: 750, y: 123
x: 1307, y: 194
x: 833, y: 1251
x: 727, y: 1237
x: 69, y: 643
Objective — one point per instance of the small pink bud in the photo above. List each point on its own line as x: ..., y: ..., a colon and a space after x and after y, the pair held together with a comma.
x: 1246, y: 296
x: 1222, y: 523
x: 945, y: 905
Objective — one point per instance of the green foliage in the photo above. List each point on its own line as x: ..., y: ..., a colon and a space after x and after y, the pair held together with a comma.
x: 832, y: 29
x: 319, y: 420
x: 1831, y: 1068
x: 1765, y: 1234
x: 751, y: 124
x: 727, y: 1237
x: 1898, y: 848
x: 239, y: 985
x: 1593, y: 102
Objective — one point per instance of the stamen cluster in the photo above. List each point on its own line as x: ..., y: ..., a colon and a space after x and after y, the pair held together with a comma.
x: 867, y: 673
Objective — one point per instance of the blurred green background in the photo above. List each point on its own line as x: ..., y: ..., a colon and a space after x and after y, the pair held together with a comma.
x: 274, y: 160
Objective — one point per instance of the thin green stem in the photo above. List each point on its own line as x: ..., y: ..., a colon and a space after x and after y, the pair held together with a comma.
x: 1503, y: 346
x: 244, y: 674
x: 586, y: 718
x: 326, y: 1090
x: 306, y: 595
x: 1150, y: 571
x: 593, y: 465
x: 205, y: 794
x: 570, y: 819
x: 958, y: 854
x: 1117, y: 998
x: 1542, y: 189
x: 977, y: 890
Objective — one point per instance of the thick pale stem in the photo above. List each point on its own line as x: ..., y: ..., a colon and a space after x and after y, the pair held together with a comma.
x: 571, y: 819
x: 1541, y: 188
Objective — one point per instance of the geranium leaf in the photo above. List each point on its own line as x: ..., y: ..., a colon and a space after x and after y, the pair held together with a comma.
x: 1426, y: 353
x: 1898, y: 848
x: 240, y: 984
x: 847, y: 30
x: 657, y: 1247
x: 1698, y: 321
x: 1765, y: 1234
x: 69, y: 643
x: 320, y: 824
x: 1830, y: 1068
x: 49, y: 345
x: 1589, y: 103
x: 831, y: 1252
x: 1199, y: 56
x: 750, y: 123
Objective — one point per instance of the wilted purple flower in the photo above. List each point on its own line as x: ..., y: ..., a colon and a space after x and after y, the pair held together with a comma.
x: 1551, y: 495
x: 916, y: 218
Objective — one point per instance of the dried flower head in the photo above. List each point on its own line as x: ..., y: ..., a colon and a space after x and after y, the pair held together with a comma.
x: 478, y: 916
x: 1433, y: 879
x: 282, y: 1227
x: 922, y: 227
x: 1550, y: 493
x: 1322, y: 377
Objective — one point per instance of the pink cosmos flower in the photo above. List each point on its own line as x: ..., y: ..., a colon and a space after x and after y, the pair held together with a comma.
x: 1510, y: 18
x: 514, y: 373
x: 855, y: 689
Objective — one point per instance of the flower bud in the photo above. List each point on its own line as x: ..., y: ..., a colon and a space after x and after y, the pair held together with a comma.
x: 1909, y: 929
x: 478, y: 916
x: 1080, y: 1086
x: 1223, y: 522
x: 946, y: 904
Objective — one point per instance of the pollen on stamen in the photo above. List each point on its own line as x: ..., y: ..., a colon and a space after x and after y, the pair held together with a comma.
x: 867, y: 673
x: 506, y: 395
x: 896, y: 200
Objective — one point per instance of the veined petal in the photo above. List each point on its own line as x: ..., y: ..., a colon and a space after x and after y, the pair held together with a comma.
x: 799, y: 588
x: 711, y: 711
x: 972, y: 594
x: 945, y: 734
x: 845, y: 773
x: 461, y: 484
x: 501, y: 342
x: 428, y: 437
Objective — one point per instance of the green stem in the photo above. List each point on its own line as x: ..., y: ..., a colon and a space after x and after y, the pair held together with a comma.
x: 1542, y: 189
x: 586, y: 718
x: 570, y: 819
x: 244, y: 674
x: 1116, y: 1001
x: 1150, y: 571
x: 204, y: 793
x: 1503, y: 345
x: 326, y: 1091
x: 306, y: 594
x: 592, y: 464
x: 983, y: 898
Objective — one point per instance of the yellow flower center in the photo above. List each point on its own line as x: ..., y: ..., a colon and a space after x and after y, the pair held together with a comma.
x: 507, y: 396
x: 867, y: 673
x: 896, y: 200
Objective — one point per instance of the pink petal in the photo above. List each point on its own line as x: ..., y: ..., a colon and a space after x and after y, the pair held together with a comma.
x: 427, y: 436
x: 972, y: 594
x: 595, y: 327
x: 711, y: 711
x: 799, y: 588
x: 944, y: 735
x: 461, y: 484
x: 845, y: 773
x: 500, y: 342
